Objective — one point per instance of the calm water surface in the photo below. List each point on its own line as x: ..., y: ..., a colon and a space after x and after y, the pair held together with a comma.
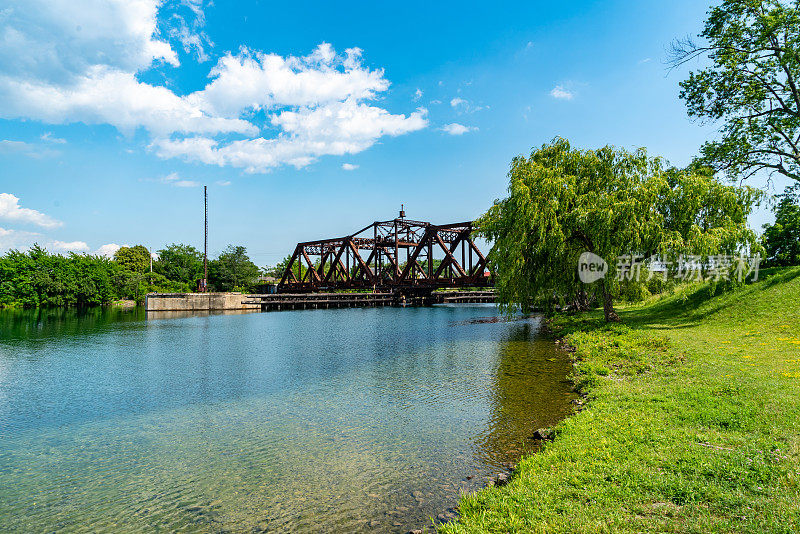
x: 318, y: 420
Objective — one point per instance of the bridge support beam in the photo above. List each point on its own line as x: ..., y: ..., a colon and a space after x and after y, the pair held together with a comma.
x: 339, y: 263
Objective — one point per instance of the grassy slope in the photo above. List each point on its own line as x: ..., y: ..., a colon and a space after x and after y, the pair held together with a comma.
x: 692, y: 423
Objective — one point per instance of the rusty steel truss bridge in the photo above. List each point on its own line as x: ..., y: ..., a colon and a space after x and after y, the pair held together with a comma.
x: 400, y: 256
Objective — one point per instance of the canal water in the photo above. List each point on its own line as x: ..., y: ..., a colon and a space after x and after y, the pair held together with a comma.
x: 317, y: 421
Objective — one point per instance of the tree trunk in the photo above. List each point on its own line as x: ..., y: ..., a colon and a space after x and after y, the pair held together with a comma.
x: 581, y: 301
x: 608, y: 305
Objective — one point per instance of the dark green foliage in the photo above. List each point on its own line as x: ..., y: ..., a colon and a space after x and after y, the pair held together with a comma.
x: 36, y: 278
x: 180, y: 263
x: 232, y: 270
x: 782, y: 240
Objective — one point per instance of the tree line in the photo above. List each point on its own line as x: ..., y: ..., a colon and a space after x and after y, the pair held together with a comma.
x: 37, y: 278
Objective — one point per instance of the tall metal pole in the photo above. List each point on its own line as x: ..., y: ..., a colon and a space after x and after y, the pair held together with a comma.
x: 205, y: 243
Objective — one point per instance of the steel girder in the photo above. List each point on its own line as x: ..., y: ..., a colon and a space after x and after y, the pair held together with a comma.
x: 396, y: 255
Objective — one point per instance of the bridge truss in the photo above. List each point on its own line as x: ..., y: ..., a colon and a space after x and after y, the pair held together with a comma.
x: 397, y: 255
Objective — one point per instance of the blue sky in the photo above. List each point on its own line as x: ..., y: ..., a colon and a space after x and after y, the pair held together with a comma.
x: 309, y: 120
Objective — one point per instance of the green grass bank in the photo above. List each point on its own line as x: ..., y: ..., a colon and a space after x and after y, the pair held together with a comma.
x: 691, y: 422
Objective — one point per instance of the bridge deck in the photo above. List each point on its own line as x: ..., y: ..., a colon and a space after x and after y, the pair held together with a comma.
x: 295, y: 301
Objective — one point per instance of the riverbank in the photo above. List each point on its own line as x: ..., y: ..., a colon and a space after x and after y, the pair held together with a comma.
x: 691, y: 422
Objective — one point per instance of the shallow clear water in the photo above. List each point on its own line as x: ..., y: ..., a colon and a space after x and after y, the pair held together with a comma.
x: 319, y: 420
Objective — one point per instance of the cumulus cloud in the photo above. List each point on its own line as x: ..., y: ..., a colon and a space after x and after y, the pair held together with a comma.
x: 66, y: 61
x: 561, y: 93
x: 56, y: 41
x: 108, y: 250
x: 253, y: 80
x: 349, y: 166
x: 10, y: 239
x: 457, y: 129
x: 458, y: 101
x: 107, y: 96
x: 10, y: 210
x: 67, y: 246
x: 337, y: 129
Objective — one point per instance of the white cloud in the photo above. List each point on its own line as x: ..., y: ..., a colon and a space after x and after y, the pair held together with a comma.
x: 457, y: 129
x: 9, y: 146
x: 349, y: 166
x: 645, y: 60
x: 335, y: 129
x: 463, y: 105
x: 417, y: 95
x: 66, y: 61
x: 561, y: 93
x: 175, y: 180
x: 55, y: 41
x: 10, y: 210
x: 253, y: 80
x: 223, y: 183
x: 15, y: 238
x: 67, y: 246
x: 107, y: 96
x: 107, y: 250
x: 186, y: 28
x: 48, y: 137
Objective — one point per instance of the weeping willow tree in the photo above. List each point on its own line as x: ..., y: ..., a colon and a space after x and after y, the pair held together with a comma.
x: 563, y: 202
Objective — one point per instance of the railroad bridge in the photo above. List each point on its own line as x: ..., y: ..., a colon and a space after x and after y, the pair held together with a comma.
x: 398, y: 256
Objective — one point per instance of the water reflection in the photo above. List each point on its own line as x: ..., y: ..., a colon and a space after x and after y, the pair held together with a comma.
x: 318, y: 420
x: 526, y: 395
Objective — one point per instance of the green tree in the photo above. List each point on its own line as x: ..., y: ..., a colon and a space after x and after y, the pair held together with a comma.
x: 232, y: 270
x: 277, y: 270
x: 751, y: 85
x: 782, y: 240
x: 180, y: 263
x: 563, y: 202
x: 135, y: 259
x: 38, y: 279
